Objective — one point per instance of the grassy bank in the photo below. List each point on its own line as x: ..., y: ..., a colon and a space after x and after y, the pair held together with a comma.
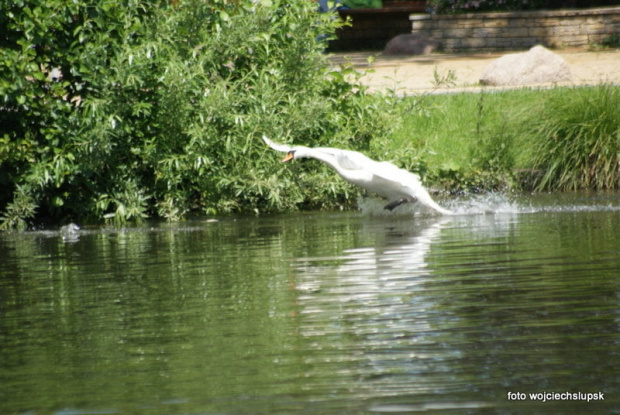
x: 556, y: 139
x: 167, y: 122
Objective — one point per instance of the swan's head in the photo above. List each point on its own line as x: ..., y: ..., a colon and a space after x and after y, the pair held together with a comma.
x: 296, y: 153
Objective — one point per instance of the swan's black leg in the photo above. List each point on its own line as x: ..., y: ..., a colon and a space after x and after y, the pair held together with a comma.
x: 393, y: 205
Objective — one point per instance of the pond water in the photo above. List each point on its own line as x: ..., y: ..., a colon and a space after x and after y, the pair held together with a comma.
x: 320, y: 313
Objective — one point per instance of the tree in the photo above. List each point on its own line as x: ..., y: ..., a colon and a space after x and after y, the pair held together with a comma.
x: 120, y: 110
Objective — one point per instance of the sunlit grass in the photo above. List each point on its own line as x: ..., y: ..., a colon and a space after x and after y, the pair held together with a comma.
x: 576, y: 139
x: 462, y: 138
x: 568, y: 137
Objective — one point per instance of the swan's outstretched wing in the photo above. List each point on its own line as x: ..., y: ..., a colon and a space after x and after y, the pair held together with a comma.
x: 347, y: 159
x: 278, y: 147
x: 395, y: 174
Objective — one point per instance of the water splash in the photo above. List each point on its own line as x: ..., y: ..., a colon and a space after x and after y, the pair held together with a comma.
x: 496, y: 203
x: 488, y: 203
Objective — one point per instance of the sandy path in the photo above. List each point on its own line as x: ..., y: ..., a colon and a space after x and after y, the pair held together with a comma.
x: 409, y: 75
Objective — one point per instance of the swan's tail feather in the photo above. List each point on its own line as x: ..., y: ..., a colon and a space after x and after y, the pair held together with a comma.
x: 426, y: 199
x: 440, y: 209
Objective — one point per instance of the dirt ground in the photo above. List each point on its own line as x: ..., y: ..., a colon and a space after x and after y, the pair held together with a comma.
x: 416, y: 74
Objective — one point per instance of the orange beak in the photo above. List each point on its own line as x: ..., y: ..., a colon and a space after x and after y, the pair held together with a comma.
x: 289, y: 156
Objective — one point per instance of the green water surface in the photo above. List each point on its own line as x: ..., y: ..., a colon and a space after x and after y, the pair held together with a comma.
x: 318, y: 313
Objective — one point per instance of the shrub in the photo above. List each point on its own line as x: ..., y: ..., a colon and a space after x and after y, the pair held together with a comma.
x: 469, y: 6
x: 120, y: 110
x: 575, y: 139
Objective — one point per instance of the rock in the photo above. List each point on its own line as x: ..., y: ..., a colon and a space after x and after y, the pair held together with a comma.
x: 536, y: 66
x: 410, y: 44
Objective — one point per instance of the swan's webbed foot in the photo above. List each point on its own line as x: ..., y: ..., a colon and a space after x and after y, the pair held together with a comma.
x: 393, y: 205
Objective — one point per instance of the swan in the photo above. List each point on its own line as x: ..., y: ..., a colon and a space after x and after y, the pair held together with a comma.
x: 385, y: 179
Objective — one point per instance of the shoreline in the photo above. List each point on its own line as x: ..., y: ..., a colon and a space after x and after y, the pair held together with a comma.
x: 410, y: 75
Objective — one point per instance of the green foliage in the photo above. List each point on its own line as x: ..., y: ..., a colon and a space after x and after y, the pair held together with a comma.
x: 608, y: 42
x: 612, y: 41
x: 558, y: 139
x: 470, y: 6
x: 119, y: 110
x: 493, y: 156
x: 18, y: 211
x: 462, y: 142
x: 576, y: 139
x: 439, y: 80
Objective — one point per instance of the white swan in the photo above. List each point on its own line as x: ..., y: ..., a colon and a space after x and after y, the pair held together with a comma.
x: 385, y: 179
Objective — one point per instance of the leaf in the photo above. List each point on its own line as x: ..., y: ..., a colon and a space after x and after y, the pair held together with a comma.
x: 58, y: 201
x: 39, y: 76
x: 224, y: 16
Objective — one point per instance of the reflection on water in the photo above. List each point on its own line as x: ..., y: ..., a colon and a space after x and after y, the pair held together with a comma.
x: 319, y: 313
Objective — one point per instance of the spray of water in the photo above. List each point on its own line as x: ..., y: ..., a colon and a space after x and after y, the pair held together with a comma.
x: 502, y: 203
x: 472, y: 205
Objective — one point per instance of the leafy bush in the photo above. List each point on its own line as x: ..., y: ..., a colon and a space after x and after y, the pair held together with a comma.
x: 469, y: 6
x: 127, y: 109
x: 575, y: 139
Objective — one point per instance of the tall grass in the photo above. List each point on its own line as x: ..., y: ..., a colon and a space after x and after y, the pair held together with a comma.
x: 575, y: 138
x: 461, y: 142
x: 564, y: 138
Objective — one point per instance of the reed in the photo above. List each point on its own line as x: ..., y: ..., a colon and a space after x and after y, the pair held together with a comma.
x: 557, y: 139
x: 575, y: 139
x: 461, y: 142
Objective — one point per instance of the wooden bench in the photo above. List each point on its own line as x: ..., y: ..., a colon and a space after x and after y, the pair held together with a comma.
x: 372, y: 28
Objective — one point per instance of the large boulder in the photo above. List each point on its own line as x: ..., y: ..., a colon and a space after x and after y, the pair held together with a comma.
x: 536, y: 66
x: 410, y: 44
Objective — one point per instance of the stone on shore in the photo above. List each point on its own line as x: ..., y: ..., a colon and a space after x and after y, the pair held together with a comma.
x: 536, y: 66
x: 410, y: 44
